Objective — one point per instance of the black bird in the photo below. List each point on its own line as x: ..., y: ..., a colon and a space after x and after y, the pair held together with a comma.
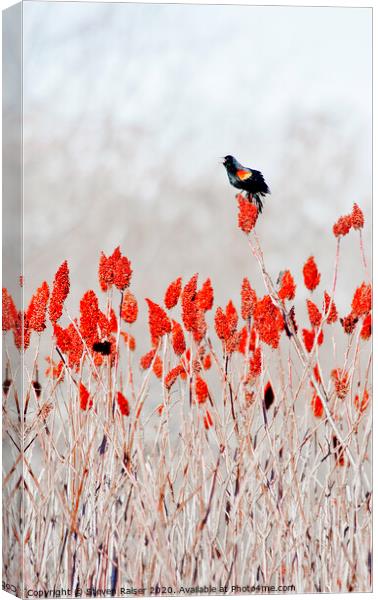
x: 246, y: 179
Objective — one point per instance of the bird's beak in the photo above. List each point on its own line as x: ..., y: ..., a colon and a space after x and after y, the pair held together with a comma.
x: 221, y: 158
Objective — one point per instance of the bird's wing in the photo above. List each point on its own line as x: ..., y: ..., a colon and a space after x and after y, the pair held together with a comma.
x: 243, y: 174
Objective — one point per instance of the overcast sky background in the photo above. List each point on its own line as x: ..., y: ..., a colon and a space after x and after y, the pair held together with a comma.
x: 127, y: 109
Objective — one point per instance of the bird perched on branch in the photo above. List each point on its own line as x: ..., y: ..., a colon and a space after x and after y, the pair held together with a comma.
x: 250, y: 181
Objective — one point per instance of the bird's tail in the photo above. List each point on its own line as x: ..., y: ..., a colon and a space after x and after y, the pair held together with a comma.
x: 256, y: 199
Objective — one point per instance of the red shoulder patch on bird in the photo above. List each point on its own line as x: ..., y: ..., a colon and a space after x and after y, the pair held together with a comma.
x: 242, y: 174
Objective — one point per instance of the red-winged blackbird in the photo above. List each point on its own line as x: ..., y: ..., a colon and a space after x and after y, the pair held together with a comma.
x: 246, y: 179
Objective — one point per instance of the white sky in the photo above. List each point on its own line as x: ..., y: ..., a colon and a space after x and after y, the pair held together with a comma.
x: 128, y: 108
